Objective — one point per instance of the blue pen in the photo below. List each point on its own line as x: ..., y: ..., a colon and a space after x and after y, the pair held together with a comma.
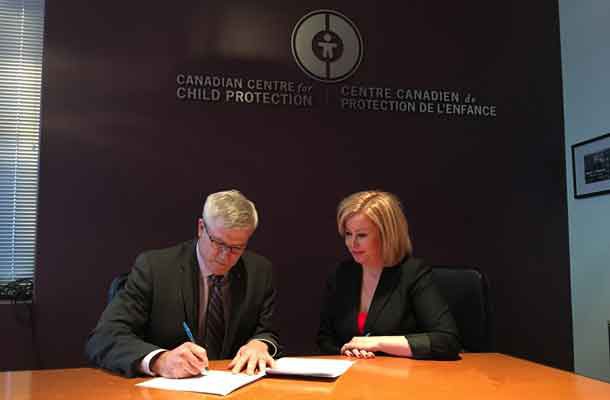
x: 188, y: 332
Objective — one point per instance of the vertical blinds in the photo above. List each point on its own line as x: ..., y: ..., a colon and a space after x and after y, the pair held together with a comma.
x: 21, y: 33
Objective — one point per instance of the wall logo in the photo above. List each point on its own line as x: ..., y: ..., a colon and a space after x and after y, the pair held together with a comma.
x: 327, y: 46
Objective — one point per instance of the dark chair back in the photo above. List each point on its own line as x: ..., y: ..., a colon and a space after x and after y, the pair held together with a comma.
x: 466, y: 290
x: 116, y: 285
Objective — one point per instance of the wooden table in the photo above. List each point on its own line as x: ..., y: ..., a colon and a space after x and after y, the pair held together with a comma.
x: 477, y: 376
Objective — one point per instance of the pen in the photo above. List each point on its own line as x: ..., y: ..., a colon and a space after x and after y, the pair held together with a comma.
x: 188, y: 332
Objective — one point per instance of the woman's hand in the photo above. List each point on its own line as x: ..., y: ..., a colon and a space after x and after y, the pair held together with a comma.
x: 365, y: 346
x: 361, y: 347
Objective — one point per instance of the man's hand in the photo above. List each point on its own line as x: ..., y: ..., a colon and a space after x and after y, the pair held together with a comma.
x: 252, y: 356
x: 361, y: 347
x: 186, y: 360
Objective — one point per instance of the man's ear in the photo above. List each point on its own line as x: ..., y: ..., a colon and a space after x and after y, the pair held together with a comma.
x: 199, y: 227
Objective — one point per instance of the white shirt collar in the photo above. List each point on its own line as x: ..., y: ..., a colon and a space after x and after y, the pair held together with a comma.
x: 205, y: 272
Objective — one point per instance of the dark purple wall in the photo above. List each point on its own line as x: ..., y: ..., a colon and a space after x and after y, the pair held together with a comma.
x: 125, y: 165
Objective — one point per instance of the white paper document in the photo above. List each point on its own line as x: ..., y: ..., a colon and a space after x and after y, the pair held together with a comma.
x: 215, y: 382
x: 315, y: 367
x: 224, y: 382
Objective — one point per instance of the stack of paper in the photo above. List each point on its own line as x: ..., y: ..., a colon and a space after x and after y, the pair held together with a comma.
x: 315, y: 367
x: 224, y: 382
x: 215, y: 382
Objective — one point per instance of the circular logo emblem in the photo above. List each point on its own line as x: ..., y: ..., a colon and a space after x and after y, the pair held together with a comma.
x: 327, y: 46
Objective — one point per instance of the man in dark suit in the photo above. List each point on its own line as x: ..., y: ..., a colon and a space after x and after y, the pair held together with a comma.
x: 203, y: 299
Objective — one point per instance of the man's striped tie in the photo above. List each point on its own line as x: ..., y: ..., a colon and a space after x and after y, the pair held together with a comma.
x: 215, y: 320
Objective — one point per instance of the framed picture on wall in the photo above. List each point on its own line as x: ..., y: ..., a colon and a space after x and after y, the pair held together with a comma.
x: 591, y: 166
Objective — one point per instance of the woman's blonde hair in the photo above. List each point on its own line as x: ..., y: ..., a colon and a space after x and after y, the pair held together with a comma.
x: 385, y: 211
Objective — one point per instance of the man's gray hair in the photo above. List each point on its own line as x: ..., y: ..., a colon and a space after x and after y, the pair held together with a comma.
x: 231, y: 209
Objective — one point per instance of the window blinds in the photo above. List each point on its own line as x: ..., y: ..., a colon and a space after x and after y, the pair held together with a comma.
x: 21, y: 33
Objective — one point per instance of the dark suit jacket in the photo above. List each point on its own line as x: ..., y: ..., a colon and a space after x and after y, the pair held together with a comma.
x: 163, y: 291
x: 406, y: 302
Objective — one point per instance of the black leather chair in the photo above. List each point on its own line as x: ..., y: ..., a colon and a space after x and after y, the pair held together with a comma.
x: 116, y: 285
x: 466, y: 290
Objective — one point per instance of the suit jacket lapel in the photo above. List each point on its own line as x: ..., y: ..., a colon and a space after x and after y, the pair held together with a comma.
x: 189, y: 288
x: 385, y: 288
x: 354, y: 286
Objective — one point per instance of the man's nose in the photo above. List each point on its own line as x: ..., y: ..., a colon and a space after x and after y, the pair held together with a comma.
x: 224, y: 251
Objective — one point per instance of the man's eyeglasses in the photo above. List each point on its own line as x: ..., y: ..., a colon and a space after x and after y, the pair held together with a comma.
x: 222, y: 246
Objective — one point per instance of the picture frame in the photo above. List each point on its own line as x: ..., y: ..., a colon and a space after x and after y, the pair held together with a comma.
x: 591, y: 167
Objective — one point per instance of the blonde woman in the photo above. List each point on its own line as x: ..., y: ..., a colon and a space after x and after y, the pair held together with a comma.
x: 383, y: 299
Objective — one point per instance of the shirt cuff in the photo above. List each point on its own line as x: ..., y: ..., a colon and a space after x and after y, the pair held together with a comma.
x: 145, y: 363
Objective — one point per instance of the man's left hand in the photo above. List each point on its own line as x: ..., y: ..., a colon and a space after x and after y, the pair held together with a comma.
x: 252, y: 356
